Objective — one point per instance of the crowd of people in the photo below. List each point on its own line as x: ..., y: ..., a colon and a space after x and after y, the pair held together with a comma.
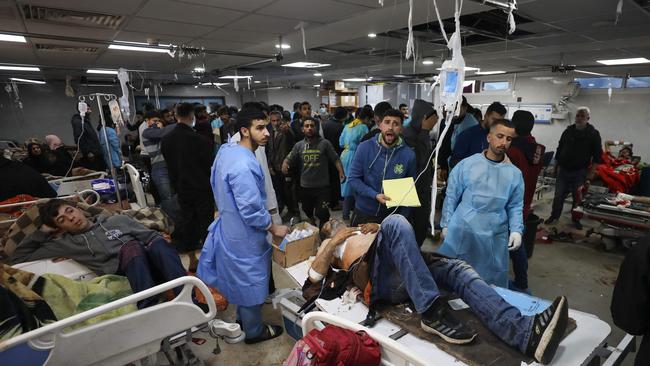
x: 258, y: 166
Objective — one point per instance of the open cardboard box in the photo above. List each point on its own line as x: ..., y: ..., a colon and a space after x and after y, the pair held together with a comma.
x: 298, y: 250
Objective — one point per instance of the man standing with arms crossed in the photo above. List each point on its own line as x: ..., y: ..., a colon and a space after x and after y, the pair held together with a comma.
x: 236, y: 257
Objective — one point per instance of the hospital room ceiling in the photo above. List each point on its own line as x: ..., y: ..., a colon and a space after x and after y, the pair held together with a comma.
x: 67, y: 37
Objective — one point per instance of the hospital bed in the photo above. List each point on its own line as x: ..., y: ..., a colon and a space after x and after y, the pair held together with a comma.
x: 619, y: 225
x: 584, y: 346
x: 119, y: 340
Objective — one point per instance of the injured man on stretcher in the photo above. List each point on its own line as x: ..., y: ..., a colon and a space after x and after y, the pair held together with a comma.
x: 385, y: 263
x: 115, y: 244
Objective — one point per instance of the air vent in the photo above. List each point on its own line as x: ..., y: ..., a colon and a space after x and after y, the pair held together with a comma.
x: 61, y: 48
x: 71, y: 17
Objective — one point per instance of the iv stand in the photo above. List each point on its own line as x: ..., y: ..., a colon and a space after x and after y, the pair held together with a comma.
x: 106, y: 97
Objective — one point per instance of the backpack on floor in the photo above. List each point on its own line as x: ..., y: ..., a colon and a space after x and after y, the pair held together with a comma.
x: 335, y: 346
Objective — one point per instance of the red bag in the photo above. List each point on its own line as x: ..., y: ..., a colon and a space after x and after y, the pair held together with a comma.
x: 335, y: 346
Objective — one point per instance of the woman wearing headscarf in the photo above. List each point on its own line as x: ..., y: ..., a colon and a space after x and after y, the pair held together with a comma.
x: 36, y: 158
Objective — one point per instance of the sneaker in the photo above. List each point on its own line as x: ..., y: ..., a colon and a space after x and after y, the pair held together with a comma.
x: 550, y: 221
x: 577, y: 225
x: 547, y: 332
x: 439, y: 321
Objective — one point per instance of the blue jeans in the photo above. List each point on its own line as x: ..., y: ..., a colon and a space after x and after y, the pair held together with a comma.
x: 404, y: 275
x: 251, y: 320
x: 160, y: 177
x: 146, y: 265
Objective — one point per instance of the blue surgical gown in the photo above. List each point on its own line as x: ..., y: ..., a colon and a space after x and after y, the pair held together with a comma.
x: 350, y: 138
x: 483, y: 205
x: 236, y: 257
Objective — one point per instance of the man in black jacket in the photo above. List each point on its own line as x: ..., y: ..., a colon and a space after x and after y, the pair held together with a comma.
x: 332, y: 129
x: 189, y: 159
x: 423, y: 118
x: 631, y: 298
x: 85, y: 136
x: 578, y: 149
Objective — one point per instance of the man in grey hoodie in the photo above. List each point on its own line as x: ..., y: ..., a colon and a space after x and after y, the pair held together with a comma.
x: 416, y: 135
x: 114, y: 244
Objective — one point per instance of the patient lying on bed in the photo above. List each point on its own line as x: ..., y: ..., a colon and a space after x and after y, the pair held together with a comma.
x: 385, y: 262
x: 114, y: 244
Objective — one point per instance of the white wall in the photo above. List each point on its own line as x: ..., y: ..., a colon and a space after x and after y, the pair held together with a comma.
x: 626, y: 117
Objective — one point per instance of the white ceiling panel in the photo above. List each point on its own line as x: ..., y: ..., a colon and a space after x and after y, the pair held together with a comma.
x: 240, y: 5
x: 556, y: 40
x: 143, y: 36
x: 147, y: 26
x: 65, y: 59
x: 613, y: 33
x: 557, y: 10
x: 69, y: 31
x: 116, y: 7
x: 264, y: 23
x: 312, y: 10
x: 16, y: 53
x: 229, y: 34
x: 188, y: 13
x: 371, y: 3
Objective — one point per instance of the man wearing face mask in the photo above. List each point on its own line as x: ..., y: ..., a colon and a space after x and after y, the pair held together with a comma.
x: 189, y: 157
x: 385, y: 156
x: 578, y: 149
x: 482, y: 214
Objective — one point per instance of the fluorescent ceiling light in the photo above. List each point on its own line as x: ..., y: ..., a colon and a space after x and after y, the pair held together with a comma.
x: 400, y: 76
x: 214, y: 84
x: 99, y: 71
x: 284, y: 46
x: 235, y: 77
x: 354, y: 79
x: 307, y: 65
x: 257, y: 82
x: 624, y: 61
x: 590, y: 73
x: 137, y: 48
x: 489, y: 72
x: 27, y: 81
x: 318, y: 74
x: 19, y: 68
x: 427, y: 62
x: 316, y: 85
x: 372, y: 35
x: 199, y: 69
x: 12, y: 38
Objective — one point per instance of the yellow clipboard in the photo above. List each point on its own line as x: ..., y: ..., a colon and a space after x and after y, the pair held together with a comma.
x: 401, y: 190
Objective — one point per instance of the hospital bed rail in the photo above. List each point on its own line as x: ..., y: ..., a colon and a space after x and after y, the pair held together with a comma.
x: 79, y: 195
x: 392, y: 353
x: 123, y: 339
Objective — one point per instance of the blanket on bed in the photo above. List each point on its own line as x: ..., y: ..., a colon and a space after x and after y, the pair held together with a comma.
x: 620, y: 175
x: 25, y: 306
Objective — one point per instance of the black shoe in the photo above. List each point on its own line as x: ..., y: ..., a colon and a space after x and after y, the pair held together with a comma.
x: 550, y: 221
x: 439, y: 321
x: 548, y: 329
x: 578, y: 225
x: 269, y: 332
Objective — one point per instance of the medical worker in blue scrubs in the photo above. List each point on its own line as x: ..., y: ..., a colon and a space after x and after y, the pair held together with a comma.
x: 236, y: 257
x: 482, y: 213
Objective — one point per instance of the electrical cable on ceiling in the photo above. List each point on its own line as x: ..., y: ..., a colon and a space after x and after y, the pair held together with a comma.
x: 410, y: 47
x: 301, y: 26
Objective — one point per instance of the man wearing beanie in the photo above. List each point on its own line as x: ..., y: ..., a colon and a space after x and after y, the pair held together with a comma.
x: 423, y: 118
x: 526, y: 154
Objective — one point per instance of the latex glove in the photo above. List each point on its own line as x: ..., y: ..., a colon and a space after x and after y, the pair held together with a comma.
x: 443, y: 234
x: 514, y: 242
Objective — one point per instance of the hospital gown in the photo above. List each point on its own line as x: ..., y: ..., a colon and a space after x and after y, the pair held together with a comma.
x: 483, y: 205
x: 236, y: 256
x: 349, y: 140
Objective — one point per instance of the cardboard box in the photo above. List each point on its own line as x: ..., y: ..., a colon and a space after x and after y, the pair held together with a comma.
x: 298, y: 250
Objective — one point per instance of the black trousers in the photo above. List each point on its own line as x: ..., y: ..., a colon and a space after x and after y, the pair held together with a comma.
x: 315, y: 202
x: 278, y: 186
x: 196, y: 214
x: 335, y: 186
x: 420, y: 218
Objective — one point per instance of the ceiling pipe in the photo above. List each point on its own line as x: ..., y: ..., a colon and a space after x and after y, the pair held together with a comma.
x: 108, y: 43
